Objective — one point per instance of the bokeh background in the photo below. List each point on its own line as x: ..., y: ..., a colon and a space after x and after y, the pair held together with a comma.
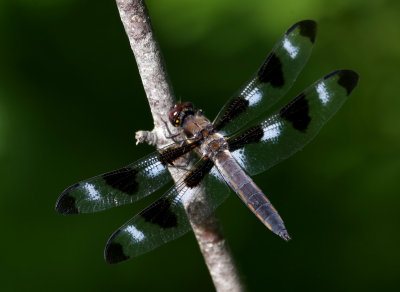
x: 71, y: 100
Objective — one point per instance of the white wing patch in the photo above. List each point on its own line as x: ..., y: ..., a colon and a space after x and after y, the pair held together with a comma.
x: 254, y: 97
x: 135, y: 233
x: 292, y: 50
x: 215, y: 173
x: 323, y: 94
x: 154, y: 170
x: 240, y: 157
x: 271, y: 132
x: 93, y: 194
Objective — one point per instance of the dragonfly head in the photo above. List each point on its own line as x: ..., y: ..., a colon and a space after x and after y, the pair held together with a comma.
x: 179, y: 112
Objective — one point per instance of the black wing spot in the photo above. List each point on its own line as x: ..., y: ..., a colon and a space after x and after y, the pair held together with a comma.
x: 123, y: 179
x: 252, y: 135
x: 348, y: 79
x: 297, y: 113
x: 194, y: 177
x: 160, y: 213
x: 308, y: 28
x: 238, y: 106
x: 114, y: 252
x: 271, y: 71
x: 66, y: 204
x: 171, y: 154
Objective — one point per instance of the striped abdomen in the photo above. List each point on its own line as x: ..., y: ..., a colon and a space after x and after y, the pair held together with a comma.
x: 250, y: 193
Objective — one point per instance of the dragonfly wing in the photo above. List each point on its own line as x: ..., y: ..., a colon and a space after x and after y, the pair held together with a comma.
x: 164, y: 220
x: 279, y: 136
x: 275, y: 77
x: 115, y: 188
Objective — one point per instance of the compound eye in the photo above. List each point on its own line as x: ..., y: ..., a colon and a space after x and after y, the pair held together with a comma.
x: 174, y: 116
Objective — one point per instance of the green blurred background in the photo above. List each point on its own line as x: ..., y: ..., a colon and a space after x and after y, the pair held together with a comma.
x: 71, y: 100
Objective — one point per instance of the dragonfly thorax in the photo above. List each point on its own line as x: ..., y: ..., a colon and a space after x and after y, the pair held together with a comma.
x: 199, y: 128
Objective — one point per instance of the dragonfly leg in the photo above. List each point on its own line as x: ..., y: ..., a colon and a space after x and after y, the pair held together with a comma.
x: 173, y: 136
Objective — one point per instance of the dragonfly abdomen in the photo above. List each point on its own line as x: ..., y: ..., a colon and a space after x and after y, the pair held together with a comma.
x: 250, y: 194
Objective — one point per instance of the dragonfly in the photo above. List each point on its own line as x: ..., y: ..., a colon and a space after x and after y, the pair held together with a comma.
x: 245, y: 139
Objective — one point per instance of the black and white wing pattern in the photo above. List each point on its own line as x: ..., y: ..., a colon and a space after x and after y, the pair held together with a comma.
x: 274, y: 78
x: 166, y: 218
x: 279, y: 136
x: 269, y: 140
x: 119, y: 187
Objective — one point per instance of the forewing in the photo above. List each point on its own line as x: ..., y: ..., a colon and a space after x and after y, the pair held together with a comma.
x: 115, y: 188
x: 279, y: 136
x: 275, y: 77
x: 164, y: 220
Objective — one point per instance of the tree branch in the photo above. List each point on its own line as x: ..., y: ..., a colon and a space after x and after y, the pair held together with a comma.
x: 208, y: 232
